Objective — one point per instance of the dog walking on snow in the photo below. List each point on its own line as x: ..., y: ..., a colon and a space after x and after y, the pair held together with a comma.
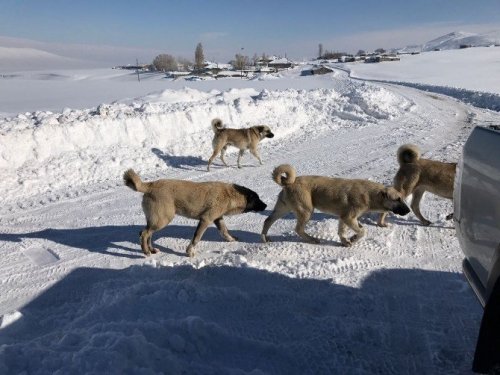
x: 246, y: 138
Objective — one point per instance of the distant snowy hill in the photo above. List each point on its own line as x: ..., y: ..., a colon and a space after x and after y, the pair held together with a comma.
x: 13, y: 58
x: 454, y: 40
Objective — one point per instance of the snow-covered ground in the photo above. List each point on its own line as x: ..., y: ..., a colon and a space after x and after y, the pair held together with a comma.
x: 471, y: 75
x: 78, y: 296
x: 475, y: 69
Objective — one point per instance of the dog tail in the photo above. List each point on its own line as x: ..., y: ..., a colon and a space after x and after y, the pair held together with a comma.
x: 289, y: 175
x: 133, y: 181
x: 408, y: 154
x: 217, y: 125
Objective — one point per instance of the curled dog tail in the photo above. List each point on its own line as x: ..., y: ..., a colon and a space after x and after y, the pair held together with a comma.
x: 217, y: 125
x: 408, y: 154
x: 133, y: 181
x: 289, y: 175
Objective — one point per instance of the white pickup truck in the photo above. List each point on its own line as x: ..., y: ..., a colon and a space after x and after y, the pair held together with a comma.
x: 477, y: 221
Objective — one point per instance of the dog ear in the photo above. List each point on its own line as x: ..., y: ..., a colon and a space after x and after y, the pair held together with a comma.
x: 260, y: 128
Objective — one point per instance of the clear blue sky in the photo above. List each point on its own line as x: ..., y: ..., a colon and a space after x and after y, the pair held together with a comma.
x: 224, y: 27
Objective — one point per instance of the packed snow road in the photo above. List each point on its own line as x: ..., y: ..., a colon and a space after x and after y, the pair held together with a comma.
x: 79, y: 297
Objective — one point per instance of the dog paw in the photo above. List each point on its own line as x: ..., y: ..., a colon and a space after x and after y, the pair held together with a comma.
x: 155, y: 250
x: 190, y: 252
x: 345, y: 242
x: 382, y: 225
x: 265, y: 238
x: 426, y: 223
x: 355, y: 238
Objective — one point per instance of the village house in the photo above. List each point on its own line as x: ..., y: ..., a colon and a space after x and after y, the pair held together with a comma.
x: 280, y: 64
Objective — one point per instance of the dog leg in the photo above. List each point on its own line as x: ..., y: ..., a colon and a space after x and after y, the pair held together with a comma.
x: 145, y: 237
x: 354, y: 225
x: 415, y: 206
x: 280, y: 210
x: 217, y: 149
x: 221, y: 226
x: 303, y: 217
x: 198, y: 233
x: 222, y: 153
x: 153, y: 250
x: 381, y: 220
x: 255, y: 153
x: 341, y: 231
x: 239, y: 157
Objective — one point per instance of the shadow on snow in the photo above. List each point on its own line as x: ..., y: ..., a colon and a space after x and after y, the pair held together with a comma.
x: 219, y: 320
x: 109, y: 238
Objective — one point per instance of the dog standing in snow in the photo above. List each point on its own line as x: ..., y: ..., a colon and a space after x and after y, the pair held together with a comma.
x: 204, y: 201
x: 416, y: 176
x: 347, y: 198
x: 246, y: 138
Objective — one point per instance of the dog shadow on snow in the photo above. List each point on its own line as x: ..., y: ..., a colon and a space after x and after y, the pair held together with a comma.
x: 371, y: 219
x: 215, y: 318
x: 193, y: 163
x: 123, y: 240
x: 180, y: 162
x: 117, y: 239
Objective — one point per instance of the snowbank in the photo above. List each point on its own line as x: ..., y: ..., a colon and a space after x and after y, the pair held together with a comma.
x: 44, y: 151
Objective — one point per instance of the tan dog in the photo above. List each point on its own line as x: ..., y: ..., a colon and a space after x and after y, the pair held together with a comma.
x: 349, y: 199
x: 416, y: 176
x: 204, y: 201
x: 247, y: 138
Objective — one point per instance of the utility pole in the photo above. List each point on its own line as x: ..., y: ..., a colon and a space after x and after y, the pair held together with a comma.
x: 137, y: 70
x: 242, y: 62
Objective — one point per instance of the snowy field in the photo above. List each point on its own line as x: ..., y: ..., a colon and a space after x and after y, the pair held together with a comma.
x: 476, y: 69
x: 78, y: 296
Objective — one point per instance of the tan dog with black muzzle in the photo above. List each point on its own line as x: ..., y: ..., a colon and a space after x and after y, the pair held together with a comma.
x: 347, y: 198
x: 243, y: 139
x: 207, y: 202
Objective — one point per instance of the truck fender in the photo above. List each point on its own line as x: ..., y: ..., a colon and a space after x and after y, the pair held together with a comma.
x: 494, y: 273
x: 487, y: 354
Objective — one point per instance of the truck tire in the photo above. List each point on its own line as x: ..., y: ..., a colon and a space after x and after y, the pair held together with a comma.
x: 487, y: 354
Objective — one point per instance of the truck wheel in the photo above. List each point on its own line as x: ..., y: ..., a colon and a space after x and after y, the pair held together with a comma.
x: 487, y: 355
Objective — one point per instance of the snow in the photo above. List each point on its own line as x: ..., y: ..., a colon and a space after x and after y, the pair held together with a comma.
x: 27, y: 59
x: 78, y: 296
x: 456, y: 39
x: 473, y: 69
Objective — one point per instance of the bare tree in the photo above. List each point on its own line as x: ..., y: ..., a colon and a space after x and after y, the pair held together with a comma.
x: 199, y: 58
x: 184, y: 64
x: 165, y: 62
x: 240, y: 62
x: 361, y: 52
x: 320, y: 51
x: 255, y: 59
x: 380, y: 50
